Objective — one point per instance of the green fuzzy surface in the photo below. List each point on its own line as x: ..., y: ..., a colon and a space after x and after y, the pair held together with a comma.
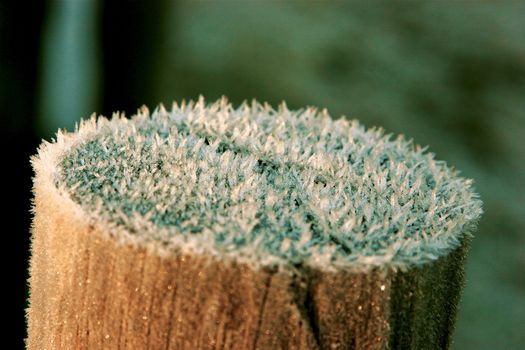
x: 270, y: 186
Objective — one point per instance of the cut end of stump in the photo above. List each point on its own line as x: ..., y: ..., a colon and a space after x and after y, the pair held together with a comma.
x: 260, y: 186
x: 214, y: 227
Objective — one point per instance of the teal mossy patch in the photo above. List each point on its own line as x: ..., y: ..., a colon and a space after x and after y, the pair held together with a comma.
x: 266, y: 186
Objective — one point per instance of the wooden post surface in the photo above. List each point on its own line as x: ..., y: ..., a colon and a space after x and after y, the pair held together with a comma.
x: 93, y: 287
x: 88, y: 292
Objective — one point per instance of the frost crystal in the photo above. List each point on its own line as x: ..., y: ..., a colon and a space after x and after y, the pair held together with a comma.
x: 266, y: 186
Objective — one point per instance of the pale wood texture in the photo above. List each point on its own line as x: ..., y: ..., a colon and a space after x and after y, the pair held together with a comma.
x: 88, y: 292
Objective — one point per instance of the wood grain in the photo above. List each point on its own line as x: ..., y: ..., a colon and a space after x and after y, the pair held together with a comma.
x: 88, y: 292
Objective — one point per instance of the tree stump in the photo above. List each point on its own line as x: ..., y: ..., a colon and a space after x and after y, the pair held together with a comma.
x: 209, y: 227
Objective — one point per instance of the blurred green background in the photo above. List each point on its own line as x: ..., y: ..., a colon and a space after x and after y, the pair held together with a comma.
x: 449, y: 74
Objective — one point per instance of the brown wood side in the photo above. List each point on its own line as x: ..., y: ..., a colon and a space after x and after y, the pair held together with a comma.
x: 87, y: 292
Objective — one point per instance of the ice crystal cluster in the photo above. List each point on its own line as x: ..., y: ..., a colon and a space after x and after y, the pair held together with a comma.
x: 266, y: 186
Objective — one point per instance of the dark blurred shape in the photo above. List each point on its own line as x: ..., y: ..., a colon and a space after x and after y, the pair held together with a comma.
x: 131, y: 36
x: 69, y: 76
x: 20, y: 25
